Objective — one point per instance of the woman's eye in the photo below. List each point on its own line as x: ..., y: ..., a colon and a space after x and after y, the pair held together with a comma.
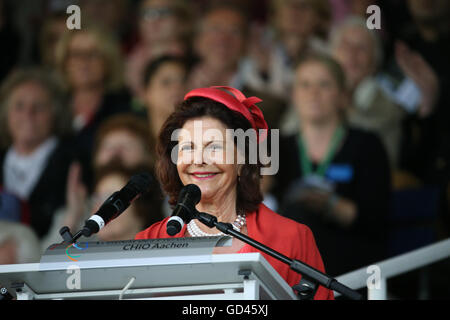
x: 186, y: 147
x: 215, y: 147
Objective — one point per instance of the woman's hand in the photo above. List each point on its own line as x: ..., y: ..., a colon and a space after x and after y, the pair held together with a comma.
x: 315, y: 201
x: 329, y: 206
x: 415, y: 67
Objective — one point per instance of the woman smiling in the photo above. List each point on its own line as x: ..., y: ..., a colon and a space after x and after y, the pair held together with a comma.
x: 230, y: 190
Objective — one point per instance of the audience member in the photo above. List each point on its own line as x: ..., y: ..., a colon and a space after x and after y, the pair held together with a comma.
x: 423, y: 39
x: 165, y: 83
x: 220, y: 44
x: 115, y: 16
x: 109, y: 178
x: 18, y: 244
x: 297, y: 27
x: 125, y: 138
x: 36, y: 156
x: 52, y: 30
x: 142, y: 213
x: 90, y: 63
x: 164, y: 29
x: 334, y: 178
x: 359, y: 52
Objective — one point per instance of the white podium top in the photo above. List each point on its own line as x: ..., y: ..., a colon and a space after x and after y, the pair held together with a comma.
x: 149, y: 270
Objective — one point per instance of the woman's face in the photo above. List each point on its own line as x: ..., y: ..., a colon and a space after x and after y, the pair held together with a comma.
x: 85, y: 65
x: 122, y: 145
x: 166, y: 88
x: 355, y: 52
x: 220, y: 42
x: 316, y: 94
x: 30, y: 115
x: 297, y: 17
x: 202, y: 159
x: 125, y: 226
x: 158, y: 22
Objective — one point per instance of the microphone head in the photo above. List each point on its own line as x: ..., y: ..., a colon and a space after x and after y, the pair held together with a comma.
x: 192, y: 191
x: 189, y: 196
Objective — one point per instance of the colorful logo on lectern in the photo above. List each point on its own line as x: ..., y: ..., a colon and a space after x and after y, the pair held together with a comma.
x: 69, y: 255
x: 72, y: 257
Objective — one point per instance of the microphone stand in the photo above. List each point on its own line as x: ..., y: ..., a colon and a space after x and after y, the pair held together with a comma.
x: 311, y: 278
x: 67, y: 235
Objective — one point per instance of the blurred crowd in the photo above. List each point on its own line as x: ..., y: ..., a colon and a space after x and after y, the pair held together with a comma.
x: 80, y: 111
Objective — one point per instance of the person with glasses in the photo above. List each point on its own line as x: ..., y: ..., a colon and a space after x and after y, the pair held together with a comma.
x: 333, y: 177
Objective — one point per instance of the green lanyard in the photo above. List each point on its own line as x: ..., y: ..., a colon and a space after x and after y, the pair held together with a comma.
x: 307, y: 167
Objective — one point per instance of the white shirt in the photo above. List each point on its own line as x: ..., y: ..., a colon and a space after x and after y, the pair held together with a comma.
x: 21, y: 173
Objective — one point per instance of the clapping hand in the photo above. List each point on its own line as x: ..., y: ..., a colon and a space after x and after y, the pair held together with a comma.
x: 415, y: 67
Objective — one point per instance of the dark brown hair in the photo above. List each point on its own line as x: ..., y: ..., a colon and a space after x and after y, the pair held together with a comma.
x: 131, y: 123
x: 249, y: 195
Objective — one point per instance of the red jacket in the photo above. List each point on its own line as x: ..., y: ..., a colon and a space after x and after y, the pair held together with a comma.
x: 286, y: 236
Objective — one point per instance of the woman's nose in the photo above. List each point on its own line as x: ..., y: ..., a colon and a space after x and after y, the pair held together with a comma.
x: 198, y: 156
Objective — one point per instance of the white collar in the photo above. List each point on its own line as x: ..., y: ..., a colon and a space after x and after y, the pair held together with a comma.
x: 22, y: 172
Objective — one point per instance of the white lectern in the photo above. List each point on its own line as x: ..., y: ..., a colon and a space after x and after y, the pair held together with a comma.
x: 182, y: 268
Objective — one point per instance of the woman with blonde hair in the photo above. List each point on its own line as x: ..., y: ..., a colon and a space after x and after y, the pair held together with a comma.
x: 90, y: 65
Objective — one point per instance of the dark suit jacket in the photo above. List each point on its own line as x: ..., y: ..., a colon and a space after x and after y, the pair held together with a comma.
x: 50, y: 191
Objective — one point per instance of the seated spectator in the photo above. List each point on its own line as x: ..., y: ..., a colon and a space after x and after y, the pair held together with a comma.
x: 220, y: 45
x: 360, y: 54
x: 165, y: 82
x: 115, y: 16
x: 421, y: 42
x: 18, y: 244
x: 35, y: 155
x: 332, y: 177
x: 125, y: 138
x: 142, y: 213
x: 52, y: 30
x: 372, y: 107
x: 297, y: 27
x: 163, y: 29
x: 110, y: 178
x: 90, y: 64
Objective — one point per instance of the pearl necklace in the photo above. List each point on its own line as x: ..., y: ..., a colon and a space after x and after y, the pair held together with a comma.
x: 195, y: 231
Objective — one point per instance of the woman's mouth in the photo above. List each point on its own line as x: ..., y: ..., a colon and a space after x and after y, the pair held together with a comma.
x: 203, y: 175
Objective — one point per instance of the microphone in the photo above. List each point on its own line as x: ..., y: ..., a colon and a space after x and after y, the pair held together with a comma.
x: 185, y: 210
x: 117, y: 203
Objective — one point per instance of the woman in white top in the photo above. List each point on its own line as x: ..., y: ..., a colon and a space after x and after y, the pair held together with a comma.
x: 34, y: 160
